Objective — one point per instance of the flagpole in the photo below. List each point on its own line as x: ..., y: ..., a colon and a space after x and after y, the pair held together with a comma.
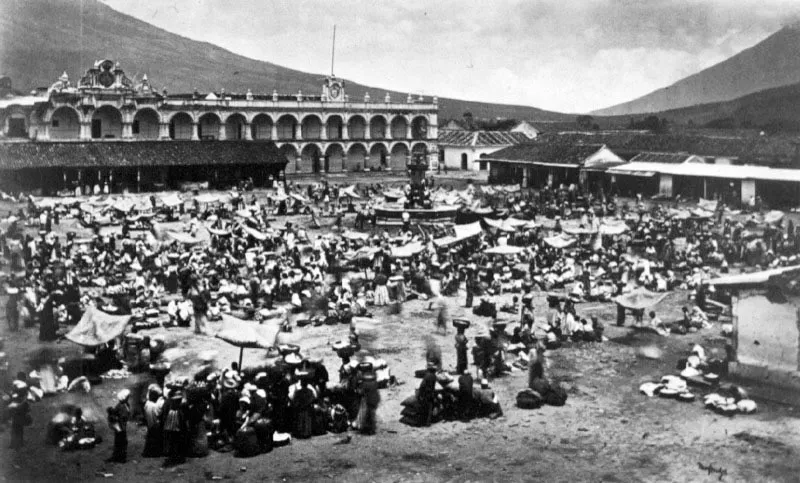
x: 333, y: 49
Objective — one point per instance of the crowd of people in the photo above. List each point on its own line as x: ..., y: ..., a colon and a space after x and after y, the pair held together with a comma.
x: 230, y: 256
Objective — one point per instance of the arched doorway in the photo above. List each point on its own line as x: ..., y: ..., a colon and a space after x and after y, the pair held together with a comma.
x: 145, y: 124
x: 356, y: 128
x: 378, y: 156
x: 290, y: 152
x: 107, y: 123
x: 208, y: 126
x: 181, y: 126
x: 399, y: 127
x: 261, y: 127
x: 286, y: 127
x: 356, y: 156
x: 420, y: 150
x: 334, y: 127
x: 399, y: 156
x: 311, y: 159
x: 464, y: 161
x: 419, y: 128
x: 377, y: 128
x: 311, y: 127
x: 235, y: 127
x: 334, y: 158
x: 65, y: 124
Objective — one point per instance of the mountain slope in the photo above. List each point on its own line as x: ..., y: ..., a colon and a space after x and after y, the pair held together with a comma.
x: 41, y: 38
x: 779, y: 106
x: 771, y: 63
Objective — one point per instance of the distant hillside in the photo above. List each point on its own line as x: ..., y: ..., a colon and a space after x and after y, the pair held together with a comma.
x: 39, y: 39
x: 774, y: 62
x: 776, y: 110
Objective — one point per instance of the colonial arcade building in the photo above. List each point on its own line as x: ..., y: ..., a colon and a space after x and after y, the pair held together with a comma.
x: 299, y: 133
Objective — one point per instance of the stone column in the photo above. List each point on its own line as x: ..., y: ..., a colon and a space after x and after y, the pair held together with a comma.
x: 367, y: 133
x: 163, y: 131
x: 195, y: 131
x: 298, y: 131
x: 323, y: 132
x: 408, y: 130
x: 86, y: 131
x: 223, y: 135
x: 248, y: 133
x: 274, y: 132
x: 127, y: 130
x: 366, y: 161
x: 345, y: 133
x: 297, y: 162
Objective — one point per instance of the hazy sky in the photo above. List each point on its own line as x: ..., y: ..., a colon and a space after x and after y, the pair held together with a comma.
x: 564, y: 55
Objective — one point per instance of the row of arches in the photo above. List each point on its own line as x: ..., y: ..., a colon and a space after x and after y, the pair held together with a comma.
x: 312, y: 159
x: 107, y: 122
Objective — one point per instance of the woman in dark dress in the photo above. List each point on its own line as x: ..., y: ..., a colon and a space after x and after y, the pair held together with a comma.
x: 47, y: 324
x: 370, y: 399
x: 303, y: 406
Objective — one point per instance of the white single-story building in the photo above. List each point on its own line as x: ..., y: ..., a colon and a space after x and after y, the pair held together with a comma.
x: 465, y: 149
x: 766, y: 326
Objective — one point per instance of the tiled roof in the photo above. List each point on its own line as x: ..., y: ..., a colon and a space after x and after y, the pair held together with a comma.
x: 764, y: 150
x: 480, y: 138
x: 547, y: 153
x: 19, y: 155
x: 665, y: 158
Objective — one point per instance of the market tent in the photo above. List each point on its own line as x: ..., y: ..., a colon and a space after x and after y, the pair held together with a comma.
x: 215, y: 231
x: 171, y: 200
x: 509, y: 224
x: 463, y: 232
x: 183, y: 238
x: 97, y: 327
x: 754, y: 278
x: 708, y: 205
x: 254, y: 233
x: 355, y: 235
x: 639, y: 299
x: 773, y: 216
x: 349, y: 191
x: 247, y: 335
x: 207, y: 198
x: 363, y: 253
x: 407, y: 250
x: 504, y: 250
x: 559, y: 241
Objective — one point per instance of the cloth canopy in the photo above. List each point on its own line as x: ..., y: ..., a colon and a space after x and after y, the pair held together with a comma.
x: 503, y: 250
x: 509, y: 224
x: 248, y: 335
x: 407, y: 250
x: 754, y: 278
x: 171, y: 199
x: 559, y: 241
x: 97, y: 327
x: 349, y: 191
x: 708, y: 205
x: 355, y: 235
x: 773, y: 216
x: 363, y: 253
x: 463, y: 232
x: 254, y: 233
x: 207, y: 198
x: 639, y: 299
x: 183, y: 238
x: 215, y: 231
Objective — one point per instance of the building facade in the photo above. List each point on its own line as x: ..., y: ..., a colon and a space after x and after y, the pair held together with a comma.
x: 316, y: 133
x: 466, y: 150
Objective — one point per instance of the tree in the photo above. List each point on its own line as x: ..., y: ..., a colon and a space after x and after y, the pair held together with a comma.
x: 584, y: 121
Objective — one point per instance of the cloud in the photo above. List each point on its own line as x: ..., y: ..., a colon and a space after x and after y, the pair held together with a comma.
x: 567, y: 55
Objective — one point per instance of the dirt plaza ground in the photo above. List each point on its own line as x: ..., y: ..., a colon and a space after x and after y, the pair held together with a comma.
x: 607, y: 431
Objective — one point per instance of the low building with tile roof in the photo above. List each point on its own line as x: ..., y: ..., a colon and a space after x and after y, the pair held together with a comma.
x: 461, y: 149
